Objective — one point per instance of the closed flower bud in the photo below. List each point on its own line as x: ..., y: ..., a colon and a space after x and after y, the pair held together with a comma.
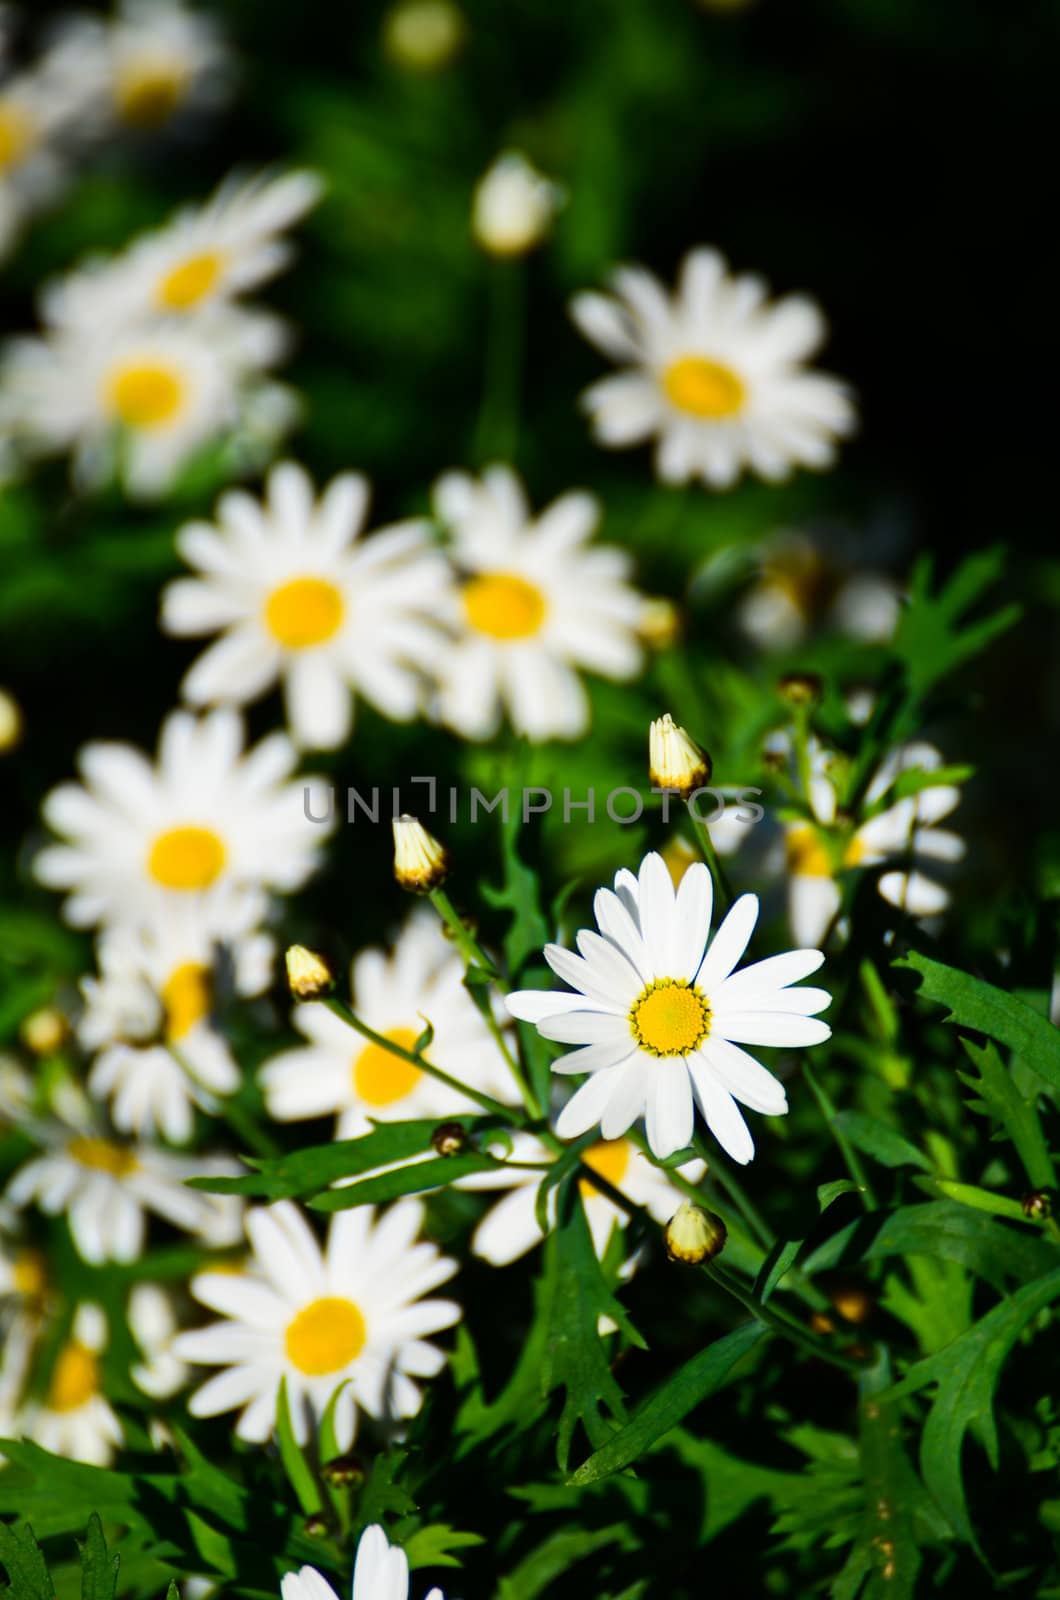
x: 317, y: 1527
x: 343, y: 1472
x: 10, y: 722
x: 421, y: 863
x: 513, y: 207
x: 44, y: 1031
x: 423, y: 35
x: 449, y: 1139
x: 800, y: 688
x: 1037, y: 1205
x: 694, y: 1235
x: 308, y: 974
x: 675, y: 760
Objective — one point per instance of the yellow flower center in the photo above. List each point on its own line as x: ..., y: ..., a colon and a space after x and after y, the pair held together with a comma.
x: 806, y: 855
x: 145, y: 395
x: 185, y: 999
x: 191, y: 282
x: 703, y: 388
x: 610, y: 1158
x: 148, y: 91
x: 187, y: 858
x: 75, y: 1378
x: 504, y: 606
x: 16, y: 134
x: 102, y: 1155
x: 304, y: 612
x: 381, y: 1078
x: 27, y: 1274
x: 325, y: 1336
x: 671, y: 1018
x: 855, y: 853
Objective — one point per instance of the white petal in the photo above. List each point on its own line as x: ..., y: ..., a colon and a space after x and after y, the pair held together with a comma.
x: 729, y: 943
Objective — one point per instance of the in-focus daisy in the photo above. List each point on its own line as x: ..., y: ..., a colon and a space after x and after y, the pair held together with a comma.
x: 905, y: 832
x: 105, y: 1189
x: 154, y: 1327
x: 150, y: 1014
x: 713, y: 373
x: 75, y: 1419
x: 510, y: 1228
x: 206, y: 255
x: 381, y: 1572
x: 534, y: 604
x: 207, y: 816
x: 139, y: 399
x: 420, y: 981
x: 660, y: 1015
x: 350, y: 1315
x: 298, y: 597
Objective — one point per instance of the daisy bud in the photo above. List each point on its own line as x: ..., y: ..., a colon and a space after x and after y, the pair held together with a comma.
x: 660, y: 623
x: 316, y: 1526
x: 1037, y: 1205
x: 449, y: 1139
x: 423, y: 35
x: 421, y: 863
x: 513, y: 207
x: 10, y: 722
x: 800, y: 688
x: 343, y: 1472
x: 44, y: 1031
x: 308, y: 974
x: 694, y: 1235
x: 675, y: 760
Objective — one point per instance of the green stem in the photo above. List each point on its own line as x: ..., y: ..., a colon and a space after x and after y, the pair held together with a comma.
x: 719, y: 1170
x: 498, y: 424
x: 712, y: 859
x: 781, y: 1323
x: 850, y: 1156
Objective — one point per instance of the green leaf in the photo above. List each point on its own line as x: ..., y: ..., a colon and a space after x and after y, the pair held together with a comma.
x: 829, y: 1192
x: 555, y: 1556
x: 779, y: 1262
x: 999, y: 1097
x: 670, y: 1404
x: 20, y: 1556
x: 968, y: 1194
x: 932, y: 639
x: 975, y: 1004
x: 99, y: 1569
x: 880, y: 1141
x: 434, y: 1543
x: 966, y: 1373
x: 941, y: 1230
x: 528, y: 932
x: 297, y: 1468
x: 414, y: 1178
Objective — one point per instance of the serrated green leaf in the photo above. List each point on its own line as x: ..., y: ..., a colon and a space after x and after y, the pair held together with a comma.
x: 433, y: 1544
x: 939, y: 1229
x: 880, y: 1141
x: 20, y: 1556
x: 932, y: 639
x: 670, y: 1404
x: 528, y: 931
x: 99, y: 1569
x: 1000, y: 1098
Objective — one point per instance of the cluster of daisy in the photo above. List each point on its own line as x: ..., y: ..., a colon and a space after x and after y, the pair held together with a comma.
x: 134, y: 74
x: 149, y: 356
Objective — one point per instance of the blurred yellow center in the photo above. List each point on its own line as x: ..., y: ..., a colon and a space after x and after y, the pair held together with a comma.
x: 504, y: 606
x: 16, y: 134
x: 806, y: 855
x: 147, y: 92
x: 191, y: 282
x: 703, y: 388
x: 325, y: 1336
x: 146, y: 395
x: 27, y: 1274
x: 75, y: 1378
x: 185, y: 999
x: 102, y: 1155
x: 380, y: 1078
x: 304, y: 612
x: 186, y: 858
x: 670, y: 1018
x: 855, y: 853
x: 610, y: 1158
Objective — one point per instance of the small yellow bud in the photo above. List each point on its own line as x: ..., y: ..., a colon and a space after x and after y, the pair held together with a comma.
x: 449, y: 1139
x: 423, y: 35
x: 513, y: 207
x: 10, y: 722
x: 660, y: 623
x: 853, y: 1303
x: 694, y: 1235
x: 44, y: 1031
x: 675, y: 760
x: 421, y: 863
x: 308, y: 974
x: 800, y: 688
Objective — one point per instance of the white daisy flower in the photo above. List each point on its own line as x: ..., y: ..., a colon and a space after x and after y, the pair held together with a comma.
x: 141, y: 398
x: 510, y: 1228
x: 349, y: 1315
x: 380, y: 1572
x: 154, y: 1327
x: 714, y: 373
x: 906, y: 831
x: 206, y: 255
x: 105, y: 1189
x: 141, y: 838
x: 534, y: 604
x: 75, y: 1419
x: 420, y: 981
x: 298, y: 597
x: 660, y: 1014
x: 150, y: 1013
x: 37, y: 116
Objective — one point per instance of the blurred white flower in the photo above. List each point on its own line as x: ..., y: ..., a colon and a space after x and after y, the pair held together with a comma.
x: 38, y: 117
x: 298, y: 597
x: 798, y: 586
x: 154, y: 1327
x: 714, y: 373
x: 75, y: 1419
x: 352, y: 1315
x: 421, y: 981
x: 513, y: 206
x: 140, y: 838
x: 535, y: 603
